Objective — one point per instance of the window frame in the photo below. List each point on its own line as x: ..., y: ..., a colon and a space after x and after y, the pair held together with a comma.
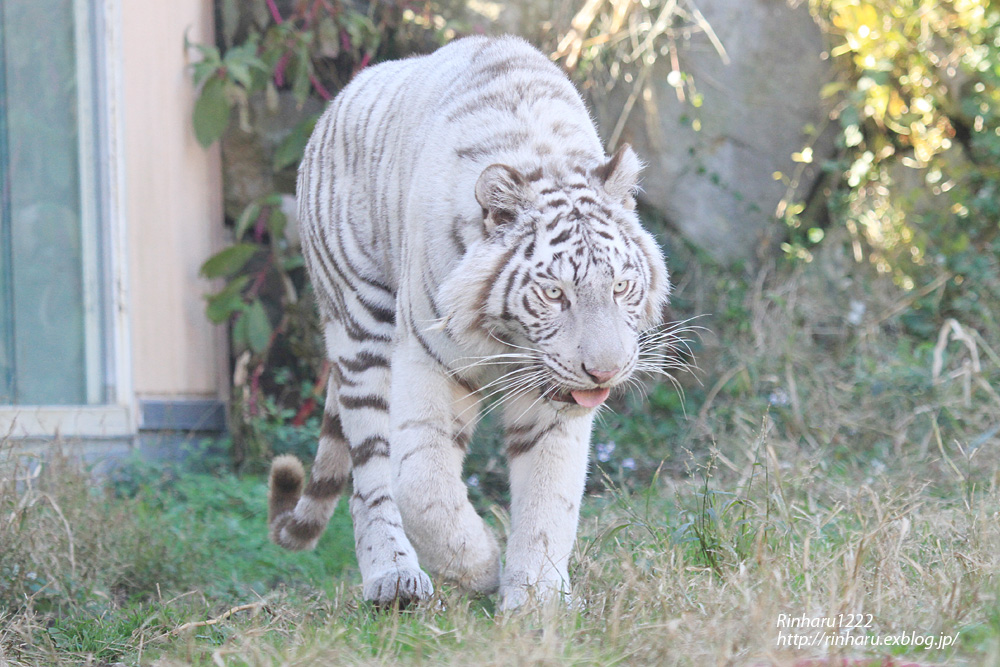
x: 117, y: 417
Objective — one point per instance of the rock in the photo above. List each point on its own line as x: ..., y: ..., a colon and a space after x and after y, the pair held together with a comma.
x: 717, y: 185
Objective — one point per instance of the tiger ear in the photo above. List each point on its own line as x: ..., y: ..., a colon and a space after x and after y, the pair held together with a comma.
x: 502, y: 192
x: 620, y: 176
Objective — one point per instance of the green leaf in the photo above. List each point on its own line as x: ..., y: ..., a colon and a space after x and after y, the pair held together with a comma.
x: 247, y: 218
x: 203, y: 70
x: 328, y: 38
x: 291, y: 148
x: 242, y: 60
x: 276, y: 224
x: 211, y: 112
x: 301, y: 85
x: 240, y: 335
x: 258, y: 327
x: 683, y: 534
x: 208, y: 52
x: 831, y: 89
x: 222, y: 305
x: 293, y: 262
x: 229, y: 261
x: 362, y: 31
x: 245, y: 53
x: 210, y: 61
x: 240, y: 72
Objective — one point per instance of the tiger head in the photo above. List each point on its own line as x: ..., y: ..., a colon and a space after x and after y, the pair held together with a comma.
x: 563, y: 283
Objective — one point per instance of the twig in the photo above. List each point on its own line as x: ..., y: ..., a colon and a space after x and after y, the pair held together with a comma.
x: 275, y: 14
x: 659, y: 26
x: 213, y: 621
x: 712, y: 37
x: 793, y: 182
x: 320, y: 88
x: 988, y: 389
x: 940, y: 444
x: 572, y: 42
x: 986, y: 348
x: 69, y: 533
x: 175, y: 598
x: 627, y: 109
x: 797, y: 416
x: 952, y: 330
x: 972, y: 370
x: 723, y: 381
x: 908, y: 301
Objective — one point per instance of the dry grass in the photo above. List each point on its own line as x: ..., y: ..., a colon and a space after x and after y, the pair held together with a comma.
x: 645, y: 596
x: 56, y: 527
x: 834, y: 464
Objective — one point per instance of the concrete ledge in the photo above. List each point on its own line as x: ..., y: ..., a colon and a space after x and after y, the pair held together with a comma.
x: 70, y: 421
x: 101, y: 456
x: 207, y: 415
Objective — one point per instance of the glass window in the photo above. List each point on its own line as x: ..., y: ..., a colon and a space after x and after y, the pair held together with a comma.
x: 53, y: 318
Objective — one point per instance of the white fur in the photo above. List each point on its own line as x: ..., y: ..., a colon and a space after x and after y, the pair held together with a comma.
x: 438, y: 190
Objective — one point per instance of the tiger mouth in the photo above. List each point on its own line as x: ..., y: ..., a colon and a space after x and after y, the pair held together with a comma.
x: 588, y: 398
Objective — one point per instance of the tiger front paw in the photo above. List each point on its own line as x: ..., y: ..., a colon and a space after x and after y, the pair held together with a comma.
x: 457, y: 546
x: 481, y: 575
x: 404, y: 585
x: 518, y: 589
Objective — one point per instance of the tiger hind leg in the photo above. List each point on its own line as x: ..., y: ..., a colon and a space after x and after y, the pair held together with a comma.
x: 355, y: 424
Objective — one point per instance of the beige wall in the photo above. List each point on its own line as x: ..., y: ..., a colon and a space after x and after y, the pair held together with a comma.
x: 173, y: 204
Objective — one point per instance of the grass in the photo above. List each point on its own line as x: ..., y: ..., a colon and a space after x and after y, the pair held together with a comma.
x: 819, y: 468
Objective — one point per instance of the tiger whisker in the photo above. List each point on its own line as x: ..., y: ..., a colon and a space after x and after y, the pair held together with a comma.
x: 665, y: 340
x: 677, y: 324
x: 512, y: 393
x: 671, y: 343
x: 503, y: 382
x: 529, y: 379
x: 541, y: 395
x: 509, y: 375
x: 519, y: 347
x: 674, y: 334
x: 491, y: 361
x: 665, y: 359
x: 670, y: 377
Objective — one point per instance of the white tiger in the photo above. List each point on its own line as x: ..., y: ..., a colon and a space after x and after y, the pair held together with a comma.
x: 467, y: 237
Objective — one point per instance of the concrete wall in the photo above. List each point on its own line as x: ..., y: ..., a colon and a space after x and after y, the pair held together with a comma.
x: 173, y: 204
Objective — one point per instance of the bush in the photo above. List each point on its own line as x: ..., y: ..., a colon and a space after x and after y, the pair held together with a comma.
x: 915, y: 185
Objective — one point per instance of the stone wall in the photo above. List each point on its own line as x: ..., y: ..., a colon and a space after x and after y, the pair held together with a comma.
x: 717, y: 183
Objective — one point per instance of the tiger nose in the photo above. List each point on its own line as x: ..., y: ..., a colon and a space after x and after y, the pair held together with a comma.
x: 601, y: 377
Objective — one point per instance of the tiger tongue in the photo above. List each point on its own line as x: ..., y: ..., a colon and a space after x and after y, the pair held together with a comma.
x: 590, y: 398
